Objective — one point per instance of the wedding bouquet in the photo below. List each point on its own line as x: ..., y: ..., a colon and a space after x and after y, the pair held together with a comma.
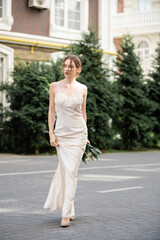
x: 91, y: 153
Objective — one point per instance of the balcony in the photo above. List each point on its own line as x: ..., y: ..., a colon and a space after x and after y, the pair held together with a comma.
x: 136, y: 22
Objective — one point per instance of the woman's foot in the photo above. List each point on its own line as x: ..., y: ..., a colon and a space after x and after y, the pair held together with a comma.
x: 72, y: 218
x: 65, y: 222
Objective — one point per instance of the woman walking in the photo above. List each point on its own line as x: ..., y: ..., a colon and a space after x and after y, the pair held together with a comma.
x: 68, y: 103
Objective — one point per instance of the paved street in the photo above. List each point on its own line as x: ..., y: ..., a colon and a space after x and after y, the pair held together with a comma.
x: 117, y: 198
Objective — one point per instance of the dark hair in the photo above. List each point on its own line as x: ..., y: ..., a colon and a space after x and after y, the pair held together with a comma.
x: 75, y: 59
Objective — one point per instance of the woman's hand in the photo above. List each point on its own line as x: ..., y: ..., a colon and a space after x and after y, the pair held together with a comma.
x: 53, y: 140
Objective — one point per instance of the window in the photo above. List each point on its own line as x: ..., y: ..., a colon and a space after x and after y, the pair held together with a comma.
x: 59, y: 13
x: 1, y: 76
x: 144, y: 5
x: 6, y: 66
x: 67, y: 14
x: 68, y: 18
x: 144, y: 54
x: 1, y: 9
x: 74, y: 15
x: 6, y: 19
x: 143, y: 50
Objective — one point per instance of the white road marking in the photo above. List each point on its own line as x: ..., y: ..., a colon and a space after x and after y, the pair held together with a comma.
x: 13, y: 161
x: 8, y: 200
x: 122, y: 166
x: 143, y: 169
x: 7, y: 210
x: 104, y: 178
x: 120, y: 189
x: 25, y: 173
x: 81, y: 169
x: 108, y: 159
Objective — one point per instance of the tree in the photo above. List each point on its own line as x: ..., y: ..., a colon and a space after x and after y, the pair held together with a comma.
x: 95, y: 76
x: 25, y: 127
x: 154, y: 93
x: 26, y: 118
x: 131, y: 118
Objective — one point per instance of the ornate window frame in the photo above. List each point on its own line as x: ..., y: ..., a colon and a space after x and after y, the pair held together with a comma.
x: 144, y: 54
x: 143, y: 51
x: 63, y: 34
x: 6, y: 21
x: 8, y: 56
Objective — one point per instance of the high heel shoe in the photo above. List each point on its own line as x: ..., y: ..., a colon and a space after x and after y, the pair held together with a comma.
x: 72, y: 218
x: 65, y: 222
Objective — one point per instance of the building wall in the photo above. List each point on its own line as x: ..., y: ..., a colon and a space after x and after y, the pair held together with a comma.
x: 28, y: 53
x: 117, y: 43
x: 93, y: 15
x: 120, y: 6
x: 35, y: 21
x: 155, y: 4
x: 133, y: 6
x: 151, y: 39
x: 130, y: 6
x: 29, y: 38
x: 142, y: 22
x: 29, y: 20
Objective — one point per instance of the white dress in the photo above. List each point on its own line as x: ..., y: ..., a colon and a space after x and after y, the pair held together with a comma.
x: 71, y: 132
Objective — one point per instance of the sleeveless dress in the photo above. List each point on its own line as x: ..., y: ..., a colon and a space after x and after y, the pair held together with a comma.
x: 71, y: 132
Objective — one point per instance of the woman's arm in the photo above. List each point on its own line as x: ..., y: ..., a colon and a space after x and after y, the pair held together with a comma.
x: 51, y: 115
x: 84, y: 104
x: 84, y: 107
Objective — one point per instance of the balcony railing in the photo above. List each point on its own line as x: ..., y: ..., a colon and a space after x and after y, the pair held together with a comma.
x: 135, y: 19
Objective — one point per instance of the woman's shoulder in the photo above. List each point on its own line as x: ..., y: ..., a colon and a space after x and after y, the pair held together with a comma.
x: 53, y: 86
x: 83, y: 86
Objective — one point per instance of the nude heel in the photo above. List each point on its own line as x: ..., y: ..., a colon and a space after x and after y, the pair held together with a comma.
x: 72, y: 218
x: 65, y: 222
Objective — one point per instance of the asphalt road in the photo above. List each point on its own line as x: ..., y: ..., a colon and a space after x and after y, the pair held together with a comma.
x: 117, y: 198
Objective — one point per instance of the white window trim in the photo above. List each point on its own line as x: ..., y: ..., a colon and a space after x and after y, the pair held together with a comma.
x: 145, y: 62
x: 9, y: 65
x: 141, y: 40
x: 142, y: 50
x: 69, y: 34
x: 7, y: 21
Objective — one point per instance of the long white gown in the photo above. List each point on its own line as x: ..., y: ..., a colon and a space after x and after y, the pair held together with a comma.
x: 71, y: 132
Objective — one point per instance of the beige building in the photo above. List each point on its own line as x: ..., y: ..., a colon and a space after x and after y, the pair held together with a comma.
x: 140, y: 18
x: 39, y: 29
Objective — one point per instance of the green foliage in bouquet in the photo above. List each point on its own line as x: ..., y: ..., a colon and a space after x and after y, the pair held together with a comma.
x: 91, y: 153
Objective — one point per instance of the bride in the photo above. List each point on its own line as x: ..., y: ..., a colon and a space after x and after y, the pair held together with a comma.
x: 68, y: 102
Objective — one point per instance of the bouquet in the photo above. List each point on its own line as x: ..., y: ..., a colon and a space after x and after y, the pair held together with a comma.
x: 91, y: 153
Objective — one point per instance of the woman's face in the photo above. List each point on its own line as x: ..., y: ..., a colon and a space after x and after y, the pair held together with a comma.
x: 69, y: 69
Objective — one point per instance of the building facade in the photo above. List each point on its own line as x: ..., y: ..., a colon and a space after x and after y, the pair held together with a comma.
x: 141, y: 19
x: 39, y: 29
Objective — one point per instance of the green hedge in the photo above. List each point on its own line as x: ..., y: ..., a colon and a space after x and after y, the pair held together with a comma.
x: 25, y: 129
x: 122, y: 114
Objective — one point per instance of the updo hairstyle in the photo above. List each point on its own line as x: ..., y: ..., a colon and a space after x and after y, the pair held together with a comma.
x: 75, y: 59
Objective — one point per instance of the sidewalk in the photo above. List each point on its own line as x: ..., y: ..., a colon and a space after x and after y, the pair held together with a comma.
x: 117, y: 198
